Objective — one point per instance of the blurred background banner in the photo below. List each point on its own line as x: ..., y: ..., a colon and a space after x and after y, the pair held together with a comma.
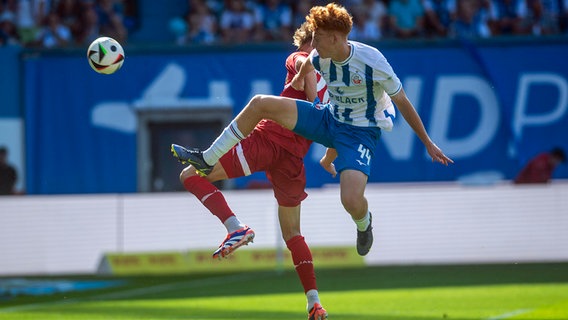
x: 491, y: 106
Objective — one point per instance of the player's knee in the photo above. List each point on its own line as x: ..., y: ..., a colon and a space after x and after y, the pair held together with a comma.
x: 258, y: 104
x: 352, y: 203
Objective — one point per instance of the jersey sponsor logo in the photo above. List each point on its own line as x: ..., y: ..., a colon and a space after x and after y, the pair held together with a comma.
x: 347, y: 100
x: 361, y: 163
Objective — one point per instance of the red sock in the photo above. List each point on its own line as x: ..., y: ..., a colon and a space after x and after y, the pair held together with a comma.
x: 302, y: 258
x: 210, y: 196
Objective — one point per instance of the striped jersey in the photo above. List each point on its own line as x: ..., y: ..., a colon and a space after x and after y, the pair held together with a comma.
x: 360, y: 87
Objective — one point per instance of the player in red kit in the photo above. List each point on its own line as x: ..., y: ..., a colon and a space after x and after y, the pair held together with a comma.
x: 279, y: 153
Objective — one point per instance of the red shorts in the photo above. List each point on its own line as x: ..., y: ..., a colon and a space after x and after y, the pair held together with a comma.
x: 284, y: 170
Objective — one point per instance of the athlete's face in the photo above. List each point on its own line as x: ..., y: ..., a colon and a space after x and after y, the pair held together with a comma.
x: 323, y: 41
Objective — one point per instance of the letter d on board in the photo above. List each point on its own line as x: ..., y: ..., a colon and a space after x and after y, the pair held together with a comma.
x: 446, y: 88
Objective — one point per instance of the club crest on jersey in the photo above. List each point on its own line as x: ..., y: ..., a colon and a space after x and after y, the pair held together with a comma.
x: 356, y: 79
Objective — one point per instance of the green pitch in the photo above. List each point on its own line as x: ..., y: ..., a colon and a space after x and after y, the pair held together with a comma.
x: 487, y: 292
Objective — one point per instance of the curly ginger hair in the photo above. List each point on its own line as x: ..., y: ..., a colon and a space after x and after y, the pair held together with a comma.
x: 332, y: 17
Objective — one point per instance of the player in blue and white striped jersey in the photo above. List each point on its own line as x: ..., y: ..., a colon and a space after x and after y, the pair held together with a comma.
x: 362, y: 87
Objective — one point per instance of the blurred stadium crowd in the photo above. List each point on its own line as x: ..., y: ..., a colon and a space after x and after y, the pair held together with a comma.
x: 210, y: 21
x: 63, y: 23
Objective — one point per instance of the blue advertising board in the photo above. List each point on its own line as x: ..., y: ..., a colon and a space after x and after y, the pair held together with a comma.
x: 489, y: 107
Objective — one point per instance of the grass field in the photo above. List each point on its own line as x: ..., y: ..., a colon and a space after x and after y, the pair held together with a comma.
x: 488, y: 292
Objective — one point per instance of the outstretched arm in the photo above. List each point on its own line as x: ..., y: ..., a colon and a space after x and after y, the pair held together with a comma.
x: 411, y: 116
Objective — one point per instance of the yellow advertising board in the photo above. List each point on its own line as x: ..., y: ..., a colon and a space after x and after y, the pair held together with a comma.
x: 200, y: 261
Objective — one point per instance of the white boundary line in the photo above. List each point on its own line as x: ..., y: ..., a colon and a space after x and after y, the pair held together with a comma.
x: 510, y: 314
x: 199, y: 283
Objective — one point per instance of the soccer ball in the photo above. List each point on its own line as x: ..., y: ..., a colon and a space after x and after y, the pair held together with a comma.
x: 105, y: 55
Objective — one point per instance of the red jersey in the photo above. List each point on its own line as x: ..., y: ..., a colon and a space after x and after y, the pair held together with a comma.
x: 293, y: 143
x: 538, y: 170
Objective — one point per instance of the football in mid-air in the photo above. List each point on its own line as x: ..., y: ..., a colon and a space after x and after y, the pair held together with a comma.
x: 105, y: 55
